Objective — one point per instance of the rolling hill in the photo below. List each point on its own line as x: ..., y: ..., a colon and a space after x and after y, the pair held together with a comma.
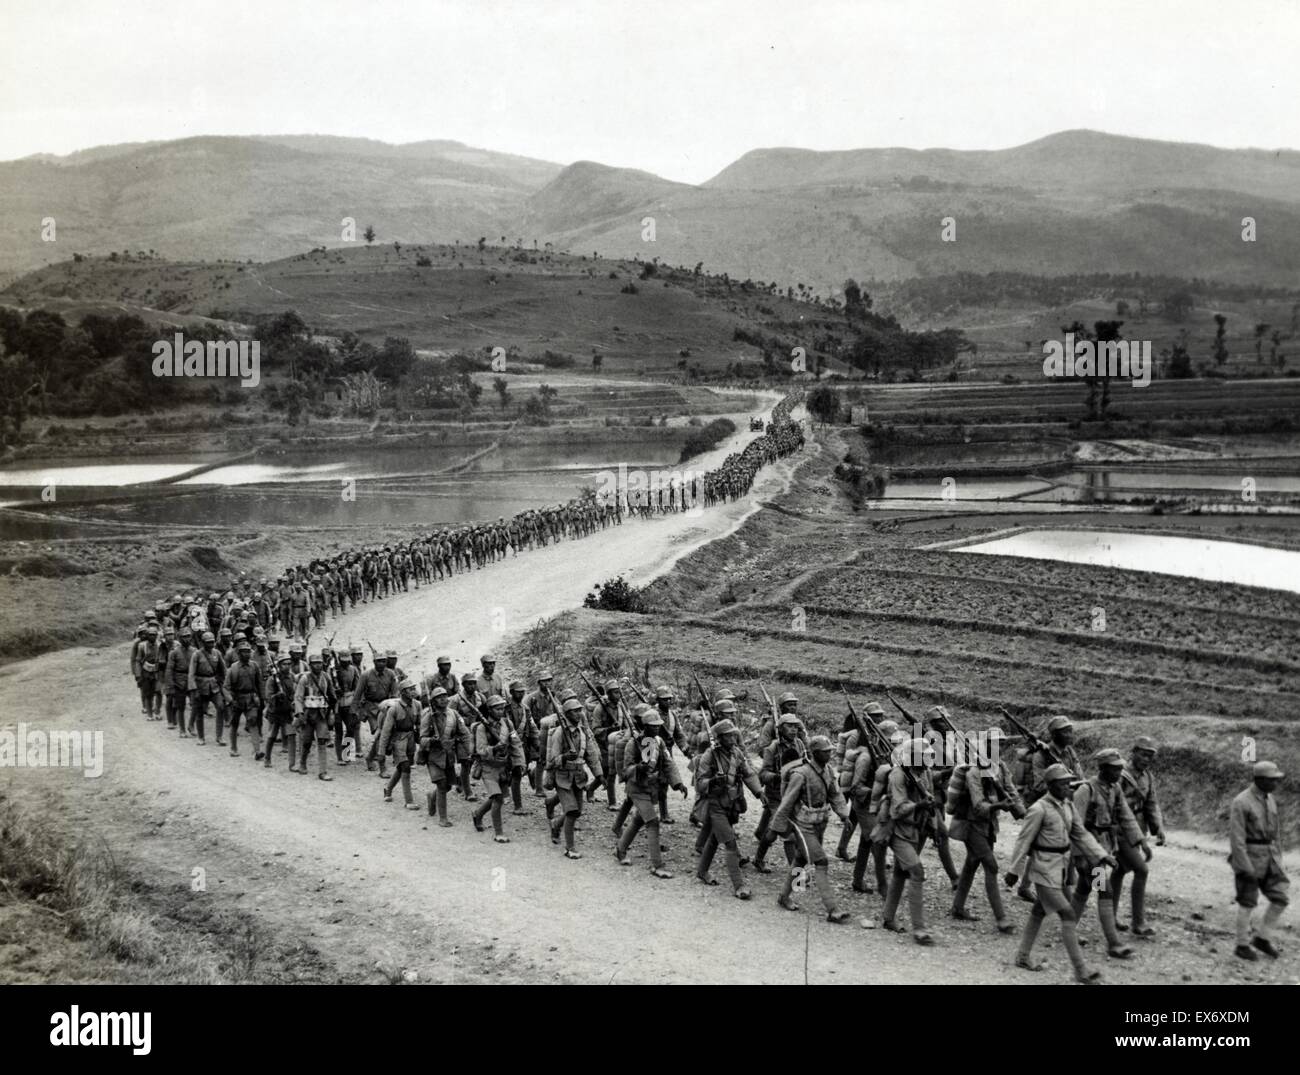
x: 1077, y: 201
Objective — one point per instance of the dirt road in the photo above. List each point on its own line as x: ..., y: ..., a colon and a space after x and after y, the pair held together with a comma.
x: 371, y: 885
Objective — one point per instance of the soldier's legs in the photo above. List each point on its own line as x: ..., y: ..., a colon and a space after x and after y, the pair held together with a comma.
x: 465, y: 788
x: 942, y: 844
x: 1053, y: 900
x: 846, y: 834
x: 197, y: 712
x: 517, y: 793
x: 1130, y: 860
x: 907, y: 870
x: 620, y: 819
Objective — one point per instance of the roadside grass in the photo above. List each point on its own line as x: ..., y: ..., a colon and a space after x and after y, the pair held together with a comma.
x: 72, y: 911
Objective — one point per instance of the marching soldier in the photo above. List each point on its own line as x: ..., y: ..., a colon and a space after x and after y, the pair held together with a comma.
x: 541, y: 705
x: 468, y: 705
x: 673, y: 734
x: 867, y: 787
x: 445, y: 678
x: 147, y: 657
x: 279, y: 713
x: 346, y: 677
x: 374, y: 686
x: 568, y: 748
x: 1139, y: 788
x: 177, y: 671
x: 438, y: 727
x: 1105, y: 813
x: 1255, y: 838
x: 518, y: 715
x: 499, y: 752
x: 313, y: 697
x: 810, y: 791
x: 399, y: 722
x: 1052, y: 829
x: 910, y: 809
x: 490, y: 682
x: 245, y: 687
x: 721, y: 774
x: 1060, y: 751
x: 977, y: 792
x: 206, y: 674
x: 610, y: 715
x: 787, y: 747
x: 647, y: 768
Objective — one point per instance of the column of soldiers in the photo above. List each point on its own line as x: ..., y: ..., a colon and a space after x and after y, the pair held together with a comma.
x: 1081, y: 832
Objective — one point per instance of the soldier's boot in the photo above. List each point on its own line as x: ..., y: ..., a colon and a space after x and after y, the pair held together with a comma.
x: 465, y: 788
x: 733, y: 871
x: 292, y: 742
x: 994, y: 895
x: 1070, y: 938
x: 842, y: 851
x: 568, y: 836
x: 787, y: 889
x: 625, y: 841
x: 892, y: 899
x: 760, y: 856
x: 1115, y: 947
x: 477, y: 815
x: 1025, y: 953
x: 221, y: 728
x: 620, y: 819
x: 304, y: 751
x: 1264, y: 934
x: 822, y: 879
x: 1025, y: 891
x: 234, y: 737
x: 256, y: 733
x: 916, y: 906
x: 611, y: 795
x: 656, y: 850
x: 441, y: 800
x: 706, y: 852
x: 517, y: 796
x: 962, y: 890
x: 878, y: 858
x: 552, y: 801
x: 945, y: 857
x: 323, y: 766
x: 1139, y: 898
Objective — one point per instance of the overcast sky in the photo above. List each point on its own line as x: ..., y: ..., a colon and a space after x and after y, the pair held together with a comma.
x: 680, y: 89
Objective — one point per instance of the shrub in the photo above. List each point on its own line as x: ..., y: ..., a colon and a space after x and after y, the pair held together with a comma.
x: 616, y: 595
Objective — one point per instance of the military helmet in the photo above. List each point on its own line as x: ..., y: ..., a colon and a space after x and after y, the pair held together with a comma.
x: 437, y: 692
x: 788, y: 718
x: 357, y: 651
x: 226, y: 632
x: 1269, y: 769
x: 515, y: 685
x: 1057, y: 771
x: 723, y: 727
x: 874, y: 709
x: 819, y: 742
x: 496, y: 702
x: 1109, y: 756
x: 469, y: 677
x: 723, y: 694
x: 487, y: 658
x: 572, y: 706
x: 1145, y: 742
x: 390, y: 655
x: 443, y: 660
x: 652, y: 719
x: 664, y: 691
x: 282, y: 658
x: 406, y: 684
x: 1059, y: 722
x: 243, y: 646
x: 316, y: 658
x: 208, y: 636
x: 544, y: 675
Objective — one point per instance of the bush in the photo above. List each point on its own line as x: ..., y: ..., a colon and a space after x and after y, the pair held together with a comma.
x: 699, y: 441
x: 616, y: 595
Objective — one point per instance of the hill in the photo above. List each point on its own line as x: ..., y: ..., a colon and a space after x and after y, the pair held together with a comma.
x: 1073, y: 202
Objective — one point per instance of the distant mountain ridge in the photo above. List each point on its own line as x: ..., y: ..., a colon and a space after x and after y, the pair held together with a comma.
x: 1076, y: 201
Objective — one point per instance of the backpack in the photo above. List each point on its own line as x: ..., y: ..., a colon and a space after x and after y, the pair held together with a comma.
x: 958, y: 800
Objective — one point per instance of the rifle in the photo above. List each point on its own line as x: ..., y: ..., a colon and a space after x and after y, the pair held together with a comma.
x: 906, y: 715
x: 771, y: 705
x: 877, y: 738
x: 604, y: 702
x: 637, y: 691
x: 1023, y: 729
x: 707, y: 707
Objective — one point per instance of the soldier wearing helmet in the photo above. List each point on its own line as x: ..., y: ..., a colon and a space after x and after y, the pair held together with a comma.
x: 207, y: 673
x: 518, y: 715
x: 911, y: 817
x: 498, y: 751
x: 673, y: 734
x: 810, y: 790
x: 246, y: 690
x: 722, y: 773
x: 439, y: 727
x: 1100, y: 802
x: 177, y: 671
x: 399, y: 724
x: 1051, y: 831
x: 570, y: 750
x: 789, y: 746
x: 609, y: 715
x: 313, y: 703
x: 648, y: 772
x: 848, y: 745
x: 374, y: 685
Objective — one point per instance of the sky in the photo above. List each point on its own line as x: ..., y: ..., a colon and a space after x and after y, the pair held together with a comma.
x: 680, y: 89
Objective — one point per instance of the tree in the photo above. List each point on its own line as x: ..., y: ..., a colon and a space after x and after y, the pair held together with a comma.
x: 1220, y: 345
x: 502, y: 388
x: 369, y: 234
x: 823, y: 403
x: 856, y: 301
x: 1106, y: 332
x: 395, y: 359
x: 1178, y: 304
x: 1260, y: 330
x: 597, y: 361
x: 1278, y: 360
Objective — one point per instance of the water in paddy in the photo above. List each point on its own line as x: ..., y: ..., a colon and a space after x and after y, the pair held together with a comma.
x: 1200, y: 558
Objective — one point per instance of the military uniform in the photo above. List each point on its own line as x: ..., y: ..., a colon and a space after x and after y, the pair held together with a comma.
x: 721, y: 775
x: 976, y: 795
x: 207, y: 673
x: 399, y: 724
x: 246, y: 689
x: 909, y: 808
x: 498, y: 751
x: 1255, y: 841
x: 313, y: 697
x: 648, y: 770
x: 811, y: 792
x: 569, y: 746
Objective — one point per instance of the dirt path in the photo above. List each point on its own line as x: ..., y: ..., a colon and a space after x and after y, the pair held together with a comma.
x: 368, y: 883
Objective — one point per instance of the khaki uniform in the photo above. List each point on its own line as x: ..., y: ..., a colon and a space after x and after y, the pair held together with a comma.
x: 1255, y: 839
